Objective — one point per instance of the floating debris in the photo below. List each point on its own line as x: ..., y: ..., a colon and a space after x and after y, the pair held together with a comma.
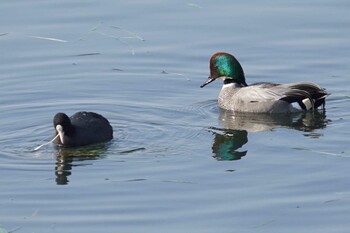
x: 3, y: 230
x: 49, y: 38
x: 179, y: 74
x: 87, y: 54
x: 132, y: 150
x: 119, y: 39
x: 97, y: 30
x: 194, y: 5
x: 132, y: 34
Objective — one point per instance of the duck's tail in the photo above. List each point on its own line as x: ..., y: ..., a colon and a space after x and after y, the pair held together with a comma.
x: 309, y: 96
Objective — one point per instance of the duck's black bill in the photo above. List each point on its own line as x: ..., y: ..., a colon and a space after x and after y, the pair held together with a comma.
x: 207, y: 82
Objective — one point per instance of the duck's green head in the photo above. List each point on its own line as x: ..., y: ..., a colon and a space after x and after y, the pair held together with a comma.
x: 225, y: 66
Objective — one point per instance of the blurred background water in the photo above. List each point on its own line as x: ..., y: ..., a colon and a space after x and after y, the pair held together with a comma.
x: 177, y: 162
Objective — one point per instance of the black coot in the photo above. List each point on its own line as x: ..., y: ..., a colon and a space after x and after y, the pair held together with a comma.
x: 83, y: 128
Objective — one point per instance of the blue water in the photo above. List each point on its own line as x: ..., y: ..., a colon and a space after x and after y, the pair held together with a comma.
x: 177, y: 163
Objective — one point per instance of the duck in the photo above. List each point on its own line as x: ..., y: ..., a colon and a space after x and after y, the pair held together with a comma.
x: 263, y: 97
x: 81, y: 129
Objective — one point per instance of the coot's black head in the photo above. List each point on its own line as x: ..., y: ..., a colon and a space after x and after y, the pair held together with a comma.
x: 63, y: 126
x: 62, y: 120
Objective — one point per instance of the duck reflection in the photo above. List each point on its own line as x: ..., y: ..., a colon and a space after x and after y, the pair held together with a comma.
x: 226, y: 145
x: 67, y: 158
x: 235, y: 127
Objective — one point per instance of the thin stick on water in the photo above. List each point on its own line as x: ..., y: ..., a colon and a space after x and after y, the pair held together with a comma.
x: 179, y: 74
x: 46, y: 143
x: 194, y: 5
x: 133, y: 35
x: 49, y: 38
x: 119, y: 39
x: 94, y: 29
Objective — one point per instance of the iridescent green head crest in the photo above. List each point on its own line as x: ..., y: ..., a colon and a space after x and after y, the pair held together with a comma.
x: 224, y: 65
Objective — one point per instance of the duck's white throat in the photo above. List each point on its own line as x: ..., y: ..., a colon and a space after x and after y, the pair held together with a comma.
x: 231, y: 85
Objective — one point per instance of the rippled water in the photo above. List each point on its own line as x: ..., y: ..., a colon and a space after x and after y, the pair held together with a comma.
x: 177, y: 162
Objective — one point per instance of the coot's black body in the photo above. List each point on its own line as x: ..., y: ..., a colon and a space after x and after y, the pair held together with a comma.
x: 83, y: 128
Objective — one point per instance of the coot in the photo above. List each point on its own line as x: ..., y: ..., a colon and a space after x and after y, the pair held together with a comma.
x: 83, y: 128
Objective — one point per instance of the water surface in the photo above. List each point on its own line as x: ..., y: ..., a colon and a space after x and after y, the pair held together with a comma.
x: 177, y: 163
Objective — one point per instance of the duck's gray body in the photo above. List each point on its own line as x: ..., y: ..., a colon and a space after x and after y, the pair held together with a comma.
x: 271, y: 98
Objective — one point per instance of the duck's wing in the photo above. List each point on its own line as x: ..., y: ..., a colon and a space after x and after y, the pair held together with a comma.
x: 306, y: 90
x: 262, y: 92
x: 307, y: 95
